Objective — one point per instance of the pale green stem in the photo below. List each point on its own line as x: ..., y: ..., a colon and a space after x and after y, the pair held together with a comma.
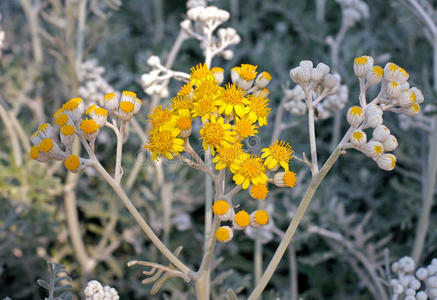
x: 15, y: 145
x: 306, y: 200
x: 139, y: 219
x: 118, y: 170
x: 293, y: 272
x: 312, y: 132
x: 258, y: 257
x: 32, y: 17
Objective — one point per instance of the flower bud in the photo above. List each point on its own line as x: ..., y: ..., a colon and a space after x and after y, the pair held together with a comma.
x: 285, y: 179
x: 154, y: 61
x: 218, y: 74
x: 373, y: 149
x: 418, y: 95
x: 393, y: 89
x: 332, y: 81
x: 412, y: 110
x: 373, y: 119
x: 241, y: 220
x: 386, y: 161
x: 307, y: 67
x: 362, y: 65
x: 355, y: 116
x: 390, y: 143
x: 380, y: 133
x: 263, y: 80
x: 259, y: 218
x: 223, y: 210
x: 391, y: 72
x: 224, y: 234
x: 375, y: 75
x: 358, y: 138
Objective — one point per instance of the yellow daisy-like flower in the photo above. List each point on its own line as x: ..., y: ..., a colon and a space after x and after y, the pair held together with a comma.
x: 181, y: 102
x: 164, y: 142
x: 216, y: 133
x: 204, y: 98
x: 161, y: 117
x: 258, y: 109
x: 250, y: 170
x: 227, y: 156
x: 200, y: 72
x: 232, y: 100
x: 278, y: 154
x: 259, y: 191
x: 186, y: 90
x: 247, y: 72
x: 183, y: 121
x: 245, y: 127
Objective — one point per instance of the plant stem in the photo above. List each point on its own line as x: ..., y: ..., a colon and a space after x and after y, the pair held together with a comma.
x: 312, y: 132
x: 306, y: 200
x: 140, y: 220
x: 86, y: 263
x: 118, y: 171
x: 293, y: 272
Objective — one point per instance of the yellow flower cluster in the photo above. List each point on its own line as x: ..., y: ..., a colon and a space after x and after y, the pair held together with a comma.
x: 228, y: 115
x: 70, y: 120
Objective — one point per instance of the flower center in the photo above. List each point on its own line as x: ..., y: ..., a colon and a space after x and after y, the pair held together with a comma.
x: 213, y: 134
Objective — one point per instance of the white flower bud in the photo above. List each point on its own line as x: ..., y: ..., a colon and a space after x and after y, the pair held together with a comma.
x: 296, y: 75
x: 415, y: 284
x: 434, y: 262
x: 373, y: 149
x: 421, y: 295
x: 194, y: 13
x: 373, y: 120
x: 186, y: 25
x: 263, y: 80
x: 316, y: 75
x: 395, y: 267
x: 390, y: 143
x: 324, y: 68
x: 393, y: 89
x: 163, y: 93
x: 410, y: 292
x: 362, y: 65
x: 386, y: 161
x: 406, y: 98
x: 307, y: 67
x: 228, y: 54
x: 421, y: 273
x: 432, y: 270
x: 380, y: 133
x: 410, y: 298
x: 355, y: 116
x: 358, y: 138
x: 332, y: 81
x: 412, y: 110
x: 154, y: 61
x: 418, y: 95
x: 407, y: 264
x: 432, y: 292
x: 375, y: 75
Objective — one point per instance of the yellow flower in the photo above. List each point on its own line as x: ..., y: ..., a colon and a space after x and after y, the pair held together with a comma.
x: 204, y: 99
x: 183, y: 121
x: 215, y: 133
x: 258, y: 109
x: 247, y: 72
x: 224, y: 234
x: 285, y: 179
x: 259, y: 191
x: 227, y: 155
x: 161, y: 117
x: 241, y: 220
x: 199, y: 73
x: 250, y: 170
x: 244, y: 128
x: 278, y: 154
x: 232, y: 100
x: 186, y: 90
x: 259, y: 218
x: 181, y: 102
x: 164, y: 142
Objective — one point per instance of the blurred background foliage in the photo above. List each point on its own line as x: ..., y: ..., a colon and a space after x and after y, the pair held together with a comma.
x: 372, y: 209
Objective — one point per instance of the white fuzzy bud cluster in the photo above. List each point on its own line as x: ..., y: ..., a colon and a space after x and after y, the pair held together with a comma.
x: 93, y: 86
x: 353, y: 11
x: 155, y: 82
x: 315, y: 77
x: 411, y: 284
x: 394, y: 88
x: 320, y: 85
x: 295, y: 101
x: 95, y: 291
x: 203, y: 20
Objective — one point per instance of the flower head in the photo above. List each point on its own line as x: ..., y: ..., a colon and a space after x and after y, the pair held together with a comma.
x: 200, y: 72
x: 245, y: 127
x: 241, y: 220
x: 215, y: 133
x: 227, y: 155
x: 278, y: 154
x: 285, y: 179
x: 232, y: 101
x: 259, y: 218
x: 259, y: 191
x: 250, y: 170
x: 164, y: 142
x: 224, y: 234
x: 258, y: 109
